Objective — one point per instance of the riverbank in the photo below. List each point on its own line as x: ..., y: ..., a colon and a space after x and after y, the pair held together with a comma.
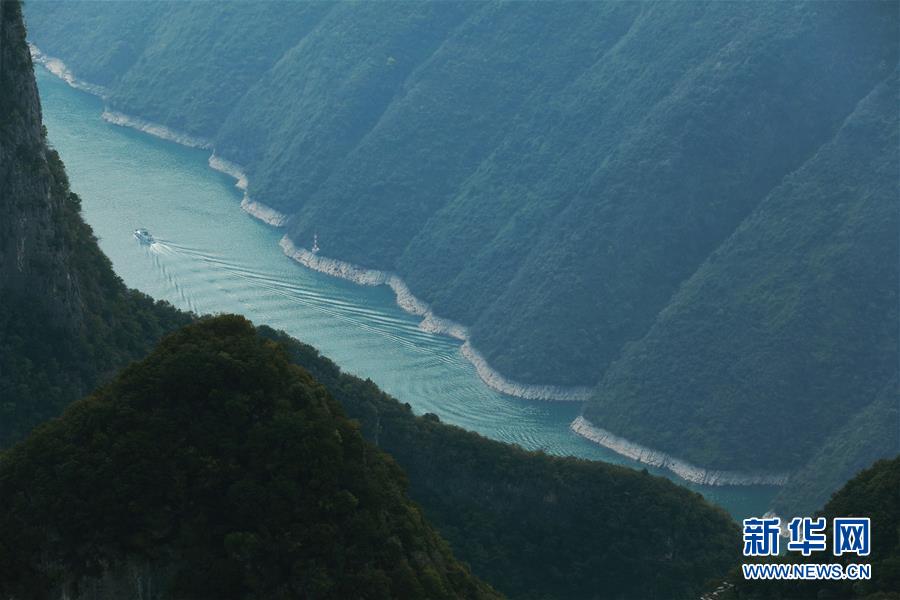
x: 432, y: 323
x: 261, y: 211
x: 59, y: 68
x: 155, y: 129
x: 404, y: 297
x: 657, y: 458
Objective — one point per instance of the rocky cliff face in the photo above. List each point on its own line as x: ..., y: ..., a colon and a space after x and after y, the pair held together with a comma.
x: 33, y: 249
x: 67, y: 322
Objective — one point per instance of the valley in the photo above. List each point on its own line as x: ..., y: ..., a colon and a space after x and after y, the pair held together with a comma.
x: 211, y: 257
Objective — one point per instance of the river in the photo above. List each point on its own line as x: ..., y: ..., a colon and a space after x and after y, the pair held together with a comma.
x: 211, y: 257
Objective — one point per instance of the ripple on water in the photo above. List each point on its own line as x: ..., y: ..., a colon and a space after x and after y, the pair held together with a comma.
x: 210, y: 257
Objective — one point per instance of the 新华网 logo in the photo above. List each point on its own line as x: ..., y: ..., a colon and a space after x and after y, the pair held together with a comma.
x: 807, y: 536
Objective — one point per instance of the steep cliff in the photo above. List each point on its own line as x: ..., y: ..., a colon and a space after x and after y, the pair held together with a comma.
x: 33, y: 247
x: 66, y: 320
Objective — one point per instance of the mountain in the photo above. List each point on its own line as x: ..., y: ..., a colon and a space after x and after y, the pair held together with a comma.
x: 537, y: 526
x: 218, y: 467
x: 873, y: 493
x: 685, y: 206
x: 67, y: 321
x: 789, y: 328
x: 214, y: 468
x: 863, y: 439
x: 575, y: 162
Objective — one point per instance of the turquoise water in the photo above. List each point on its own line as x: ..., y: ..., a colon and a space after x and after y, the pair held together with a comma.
x: 211, y: 257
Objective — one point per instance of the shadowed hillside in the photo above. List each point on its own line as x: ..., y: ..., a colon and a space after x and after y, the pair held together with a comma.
x: 214, y: 468
x: 67, y: 321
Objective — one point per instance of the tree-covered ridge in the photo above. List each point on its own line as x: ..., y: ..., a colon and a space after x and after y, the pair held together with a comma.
x: 873, y: 493
x: 127, y: 488
x: 681, y: 200
x: 560, y: 177
x: 67, y: 321
x: 789, y: 329
x: 537, y: 526
x: 547, y: 173
x: 231, y: 469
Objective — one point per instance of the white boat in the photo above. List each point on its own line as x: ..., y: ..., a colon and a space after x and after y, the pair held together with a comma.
x: 315, y: 246
x: 143, y: 236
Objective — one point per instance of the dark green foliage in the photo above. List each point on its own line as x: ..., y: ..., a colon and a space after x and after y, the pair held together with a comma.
x: 217, y: 469
x: 789, y: 329
x: 692, y: 203
x: 688, y: 202
x: 866, y: 437
x: 548, y: 173
x: 873, y: 493
x: 536, y: 526
x: 45, y: 364
x: 67, y: 321
x: 217, y: 455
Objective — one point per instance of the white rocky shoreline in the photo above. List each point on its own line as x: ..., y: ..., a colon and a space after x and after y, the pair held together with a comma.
x: 657, y: 458
x: 59, y: 68
x: 261, y: 211
x: 264, y: 213
x: 409, y: 302
x: 432, y: 323
x: 155, y: 129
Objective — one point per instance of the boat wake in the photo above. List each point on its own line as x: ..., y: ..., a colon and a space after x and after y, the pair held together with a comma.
x: 198, y: 277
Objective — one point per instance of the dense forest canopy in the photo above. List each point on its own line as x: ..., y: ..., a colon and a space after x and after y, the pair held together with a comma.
x: 685, y: 204
x: 223, y: 471
x: 216, y: 467
x: 576, y: 161
x: 691, y: 206
x: 537, y: 526
x: 813, y: 273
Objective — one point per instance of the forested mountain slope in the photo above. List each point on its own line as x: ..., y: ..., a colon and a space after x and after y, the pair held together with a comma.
x: 580, y: 183
x: 533, y: 525
x: 214, y: 468
x: 789, y: 328
x: 66, y: 319
x: 548, y: 174
x: 201, y: 466
x: 870, y: 434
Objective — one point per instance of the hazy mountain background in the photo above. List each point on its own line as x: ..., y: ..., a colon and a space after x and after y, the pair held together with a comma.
x: 691, y: 206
